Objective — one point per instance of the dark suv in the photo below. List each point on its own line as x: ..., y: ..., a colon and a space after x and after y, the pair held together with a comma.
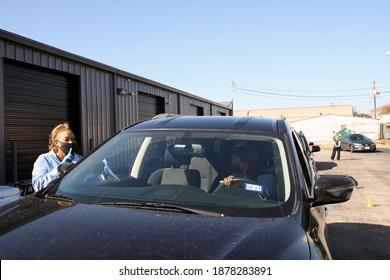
x: 171, y: 188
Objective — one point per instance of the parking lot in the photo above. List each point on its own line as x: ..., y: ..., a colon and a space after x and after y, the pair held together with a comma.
x: 360, y: 228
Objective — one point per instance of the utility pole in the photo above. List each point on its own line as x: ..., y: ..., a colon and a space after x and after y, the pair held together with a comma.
x: 374, y: 92
x: 233, y: 90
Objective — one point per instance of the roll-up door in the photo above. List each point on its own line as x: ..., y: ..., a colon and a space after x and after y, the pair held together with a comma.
x: 149, y: 106
x: 35, y: 101
x: 196, y: 110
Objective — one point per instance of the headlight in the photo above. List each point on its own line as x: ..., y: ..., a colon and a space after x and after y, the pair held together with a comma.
x: 357, y: 144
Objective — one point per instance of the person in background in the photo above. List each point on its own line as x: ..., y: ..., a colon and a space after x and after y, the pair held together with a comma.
x: 336, y: 147
x: 62, y: 151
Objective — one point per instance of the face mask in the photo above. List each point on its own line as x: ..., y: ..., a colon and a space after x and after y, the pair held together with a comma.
x: 235, y: 169
x: 65, y: 147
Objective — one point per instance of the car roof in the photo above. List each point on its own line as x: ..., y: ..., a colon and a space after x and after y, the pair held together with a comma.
x: 354, y: 134
x: 246, y: 123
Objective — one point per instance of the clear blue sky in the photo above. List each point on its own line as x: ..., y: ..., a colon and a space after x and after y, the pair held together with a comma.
x: 322, y: 52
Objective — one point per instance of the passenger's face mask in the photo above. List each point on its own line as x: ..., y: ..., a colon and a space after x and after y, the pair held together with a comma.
x: 65, y: 147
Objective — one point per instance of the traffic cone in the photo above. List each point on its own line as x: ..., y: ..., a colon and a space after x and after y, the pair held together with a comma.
x: 370, y: 203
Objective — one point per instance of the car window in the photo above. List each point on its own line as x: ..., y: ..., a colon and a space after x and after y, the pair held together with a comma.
x: 304, y: 163
x: 304, y: 143
x: 184, y: 168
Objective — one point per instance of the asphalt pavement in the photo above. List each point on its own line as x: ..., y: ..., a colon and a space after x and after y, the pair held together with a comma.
x: 359, y: 229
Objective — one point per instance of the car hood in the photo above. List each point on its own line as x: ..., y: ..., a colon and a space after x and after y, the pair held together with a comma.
x: 36, y: 228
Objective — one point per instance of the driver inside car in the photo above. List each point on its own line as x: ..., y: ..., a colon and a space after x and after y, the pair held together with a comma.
x: 246, y: 173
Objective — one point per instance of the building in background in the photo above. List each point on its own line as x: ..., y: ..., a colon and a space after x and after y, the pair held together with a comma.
x: 319, y: 122
x: 320, y: 129
x: 42, y: 86
x: 294, y: 114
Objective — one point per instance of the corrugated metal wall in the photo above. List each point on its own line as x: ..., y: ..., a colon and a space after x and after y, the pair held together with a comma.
x: 96, y: 89
x: 102, y: 110
x: 127, y: 106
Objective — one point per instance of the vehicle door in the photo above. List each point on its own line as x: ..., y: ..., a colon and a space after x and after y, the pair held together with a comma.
x: 315, y: 217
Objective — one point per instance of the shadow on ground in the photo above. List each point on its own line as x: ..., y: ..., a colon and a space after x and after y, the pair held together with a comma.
x: 325, y: 165
x: 351, y: 241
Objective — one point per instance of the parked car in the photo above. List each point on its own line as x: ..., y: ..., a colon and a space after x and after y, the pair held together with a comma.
x: 357, y: 142
x: 154, y: 191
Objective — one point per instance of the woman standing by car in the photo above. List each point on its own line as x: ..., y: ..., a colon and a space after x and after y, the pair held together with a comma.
x: 336, y: 147
x: 62, y: 150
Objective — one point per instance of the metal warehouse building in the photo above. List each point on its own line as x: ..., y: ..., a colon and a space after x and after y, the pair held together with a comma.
x: 42, y: 86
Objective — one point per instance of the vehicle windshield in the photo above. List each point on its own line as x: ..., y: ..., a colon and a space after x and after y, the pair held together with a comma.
x: 185, y: 168
x: 359, y: 137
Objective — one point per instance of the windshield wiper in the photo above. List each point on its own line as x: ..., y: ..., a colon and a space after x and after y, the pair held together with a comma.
x: 62, y: 197
x: 161, y: 207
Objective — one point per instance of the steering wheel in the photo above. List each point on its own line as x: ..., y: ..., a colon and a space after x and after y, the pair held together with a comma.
x: 264, y: 194
x: 244, y: 179
x: 236, y: 179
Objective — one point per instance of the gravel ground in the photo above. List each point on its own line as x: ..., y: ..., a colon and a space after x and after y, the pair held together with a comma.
x: 357, y: 231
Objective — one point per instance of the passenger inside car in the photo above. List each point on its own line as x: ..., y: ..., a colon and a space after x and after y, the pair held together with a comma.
x: 246, y: 173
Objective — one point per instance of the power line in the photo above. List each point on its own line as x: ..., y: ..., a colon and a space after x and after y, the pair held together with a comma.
x: 289, y: 96
x: 367, y: 105
x: 308, y: 91
x: 257, y: 92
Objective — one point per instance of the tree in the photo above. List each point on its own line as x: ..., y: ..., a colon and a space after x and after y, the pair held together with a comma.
x: 385, y: 109
x: 356, y: 114
x: 361, y: 115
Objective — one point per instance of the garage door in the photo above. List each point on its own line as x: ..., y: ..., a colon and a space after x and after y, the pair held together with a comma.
x: 149, y: 106
x: 34, y: 102
x: 196, y: 110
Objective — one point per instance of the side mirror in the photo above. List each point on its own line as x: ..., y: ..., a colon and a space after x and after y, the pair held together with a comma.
x: 315, y: 148
x: 331, y: 189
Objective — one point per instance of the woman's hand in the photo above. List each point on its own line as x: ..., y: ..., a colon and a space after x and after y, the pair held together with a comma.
x: 227, y: 181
